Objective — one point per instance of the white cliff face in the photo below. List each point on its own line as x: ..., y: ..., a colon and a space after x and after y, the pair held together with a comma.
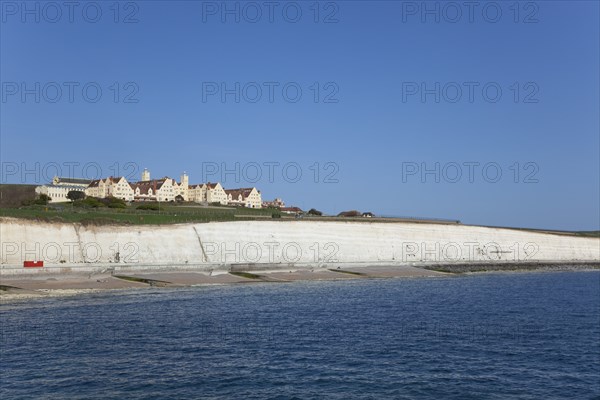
x: 74, y: 247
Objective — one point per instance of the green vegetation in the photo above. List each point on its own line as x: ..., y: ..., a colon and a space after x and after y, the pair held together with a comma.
x: 351, y: 213
x: 113, y: 202
x: 151, y: 206
x: 93, y: 202
x: 343, y: 271
x: 588, y: 233
x: 246, y: 275
x: 90, y: 202
x: 41, y: 200
x: 151, y: 282
x: 131, y: 278
x: 92, y: 211
x: 74, y: 195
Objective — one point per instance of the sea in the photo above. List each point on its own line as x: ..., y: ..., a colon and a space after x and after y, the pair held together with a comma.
x: 522, y: 335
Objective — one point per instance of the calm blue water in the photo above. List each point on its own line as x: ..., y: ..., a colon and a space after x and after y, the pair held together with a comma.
x: 522, y: 335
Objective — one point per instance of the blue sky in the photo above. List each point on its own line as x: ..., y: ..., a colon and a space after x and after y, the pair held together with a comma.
x: 370, y: 129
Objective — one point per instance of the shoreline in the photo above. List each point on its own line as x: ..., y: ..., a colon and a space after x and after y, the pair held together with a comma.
x: 80, y: 258
x: 15, y: 289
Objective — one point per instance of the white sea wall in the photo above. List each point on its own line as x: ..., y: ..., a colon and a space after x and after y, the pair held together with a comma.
x: 74, y: 247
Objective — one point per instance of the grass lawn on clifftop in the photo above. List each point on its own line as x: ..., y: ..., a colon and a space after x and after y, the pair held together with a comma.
x: 168, y: 214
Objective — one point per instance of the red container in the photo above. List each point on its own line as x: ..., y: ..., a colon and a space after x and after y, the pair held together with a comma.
x: 33, y: 264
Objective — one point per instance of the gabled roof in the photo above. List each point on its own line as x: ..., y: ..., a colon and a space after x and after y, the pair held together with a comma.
x: 95, y: 183
x: 110, y: 179
x: 114, y: 179
x: 145, y: 186
x: 235, y: 193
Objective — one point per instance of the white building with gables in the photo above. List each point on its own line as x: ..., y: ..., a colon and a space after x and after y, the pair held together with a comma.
x: 110, y: 187
x: 244, y: 197
x: 147, y: 189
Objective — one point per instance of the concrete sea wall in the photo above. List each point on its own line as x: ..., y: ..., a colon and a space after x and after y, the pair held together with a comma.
x: 248, y: 245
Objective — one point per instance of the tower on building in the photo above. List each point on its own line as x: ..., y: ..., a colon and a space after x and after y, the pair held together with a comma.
x: 145, y: 175
x: 184, y: 180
